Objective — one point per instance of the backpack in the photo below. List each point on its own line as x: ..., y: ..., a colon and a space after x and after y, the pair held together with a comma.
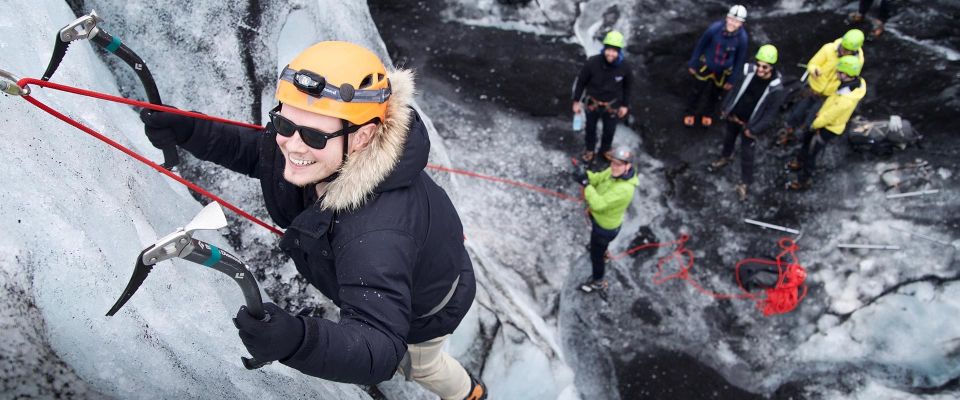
x: 882, y: 137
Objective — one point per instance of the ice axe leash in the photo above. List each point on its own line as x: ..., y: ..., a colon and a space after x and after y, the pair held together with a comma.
x: 86, y: 27
x: 181, y: 244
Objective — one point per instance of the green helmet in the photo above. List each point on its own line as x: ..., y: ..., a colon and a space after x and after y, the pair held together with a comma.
x: 852, y: 40
x: 850, y: 65
x: 614, y: 39
x: 767, y: 54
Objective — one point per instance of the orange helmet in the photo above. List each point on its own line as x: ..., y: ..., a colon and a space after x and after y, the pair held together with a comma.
x: 337, y: 79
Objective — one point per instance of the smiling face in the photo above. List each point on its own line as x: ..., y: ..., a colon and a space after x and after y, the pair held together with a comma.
x: 733, y: 24
x: 611, y: 54
x: 304, y: 164
x: 764, y: 70
x: 618, y: 168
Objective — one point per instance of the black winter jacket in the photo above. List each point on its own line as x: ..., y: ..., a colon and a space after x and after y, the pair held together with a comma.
x: 604, y: 82
x: 764, y: 115
x: 386, y: 254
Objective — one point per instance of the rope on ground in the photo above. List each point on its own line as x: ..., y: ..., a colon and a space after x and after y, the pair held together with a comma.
x: 780, y: 299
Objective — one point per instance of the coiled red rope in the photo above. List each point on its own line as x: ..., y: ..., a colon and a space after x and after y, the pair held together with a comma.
x: 780, y: 299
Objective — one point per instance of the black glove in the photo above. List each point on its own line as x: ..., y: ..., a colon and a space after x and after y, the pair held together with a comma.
x: 276, y: 339
x: 166, y: 129
x: 580, y: 175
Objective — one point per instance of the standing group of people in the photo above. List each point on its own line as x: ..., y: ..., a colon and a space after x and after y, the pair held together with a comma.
x: 750, y: 96
x: 753, y: 93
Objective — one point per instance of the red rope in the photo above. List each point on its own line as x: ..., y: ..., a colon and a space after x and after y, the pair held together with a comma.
x: 116, y: 99
x: 780, y: 299
x: 131, y: 153
x: 507, y: 181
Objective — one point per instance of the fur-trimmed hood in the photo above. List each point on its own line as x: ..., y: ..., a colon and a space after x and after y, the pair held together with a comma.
x: 397, y: 153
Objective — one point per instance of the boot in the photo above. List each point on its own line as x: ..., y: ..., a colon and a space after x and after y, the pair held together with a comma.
x: 706, y: 121
x: 587, y: 156
x: 798, y: 186
x: 599, y: 285
x: 720, y: 163
x: 742, y: 191
x: 794, y: 165
x: 785, y: 136
x: 478, y: 391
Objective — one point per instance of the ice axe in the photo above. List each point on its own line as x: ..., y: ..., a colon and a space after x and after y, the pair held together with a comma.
x: 86, y: 28
x: 181, y: 244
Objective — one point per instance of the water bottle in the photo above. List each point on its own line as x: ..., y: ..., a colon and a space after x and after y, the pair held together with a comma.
x: 578, y: 121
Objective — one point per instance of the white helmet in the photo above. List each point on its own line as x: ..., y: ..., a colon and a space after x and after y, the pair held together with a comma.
x: 738, y: 12
x: 622, y: 153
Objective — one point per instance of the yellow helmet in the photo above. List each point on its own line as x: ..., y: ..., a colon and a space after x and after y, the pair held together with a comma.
x: 337, y: 79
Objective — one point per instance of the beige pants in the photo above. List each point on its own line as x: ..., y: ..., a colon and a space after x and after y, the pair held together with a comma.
x: 435, y: 370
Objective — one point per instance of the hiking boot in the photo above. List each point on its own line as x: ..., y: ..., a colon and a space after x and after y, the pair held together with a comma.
x: 689, y: 120
x: 706, y: 121
x: 854, y: 18
x: 742, y: 191
x: 599, y: 285
x: 797, y: 185
x: 794, y: 165
x: 720, y: 162
x: 587, y: 156
x: 784, y: 136
x: 478, y: 391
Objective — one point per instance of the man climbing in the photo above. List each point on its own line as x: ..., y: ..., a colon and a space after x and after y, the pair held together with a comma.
x: 822, y: 81
x: 751, y: 110
x: 608, y: 194
x: 341, y: 167
x: 831, y: 120
x: 716, y: 63
x: 604, y: 83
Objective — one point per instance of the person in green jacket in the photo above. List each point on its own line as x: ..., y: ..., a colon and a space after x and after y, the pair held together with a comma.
x: 831, y: 120
x: 608, y: 194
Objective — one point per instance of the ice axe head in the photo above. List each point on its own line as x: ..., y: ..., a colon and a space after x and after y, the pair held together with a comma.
x: 210, y: 218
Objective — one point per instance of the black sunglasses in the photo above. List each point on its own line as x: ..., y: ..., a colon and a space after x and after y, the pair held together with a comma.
x: 313, y: 137
x: 764, y: 66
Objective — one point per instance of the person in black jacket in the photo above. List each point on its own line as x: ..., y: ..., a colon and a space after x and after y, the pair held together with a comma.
x: 750, y: 110
x: 341, y: 167
x: 604, y: 83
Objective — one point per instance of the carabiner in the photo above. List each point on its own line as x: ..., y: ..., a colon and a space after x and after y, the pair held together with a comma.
x: 82, y: 28
x: 11, y: 87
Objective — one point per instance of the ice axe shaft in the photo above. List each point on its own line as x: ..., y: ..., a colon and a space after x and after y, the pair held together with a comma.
x: 771, y: 226
x: 912, y: 194
x: 867, y: 246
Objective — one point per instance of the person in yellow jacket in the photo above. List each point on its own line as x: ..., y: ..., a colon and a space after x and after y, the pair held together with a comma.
x: 822, y: 80
x: 831, y: 120
x: 608, y: 193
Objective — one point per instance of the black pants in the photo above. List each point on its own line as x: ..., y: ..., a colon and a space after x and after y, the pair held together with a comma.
x: 884, y: 12
x: 609, y: 128
x: 599, y: 242
x: 704, y: 98
x: 747, y: 147
x: 808, y: 155
x: 804, y: 111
